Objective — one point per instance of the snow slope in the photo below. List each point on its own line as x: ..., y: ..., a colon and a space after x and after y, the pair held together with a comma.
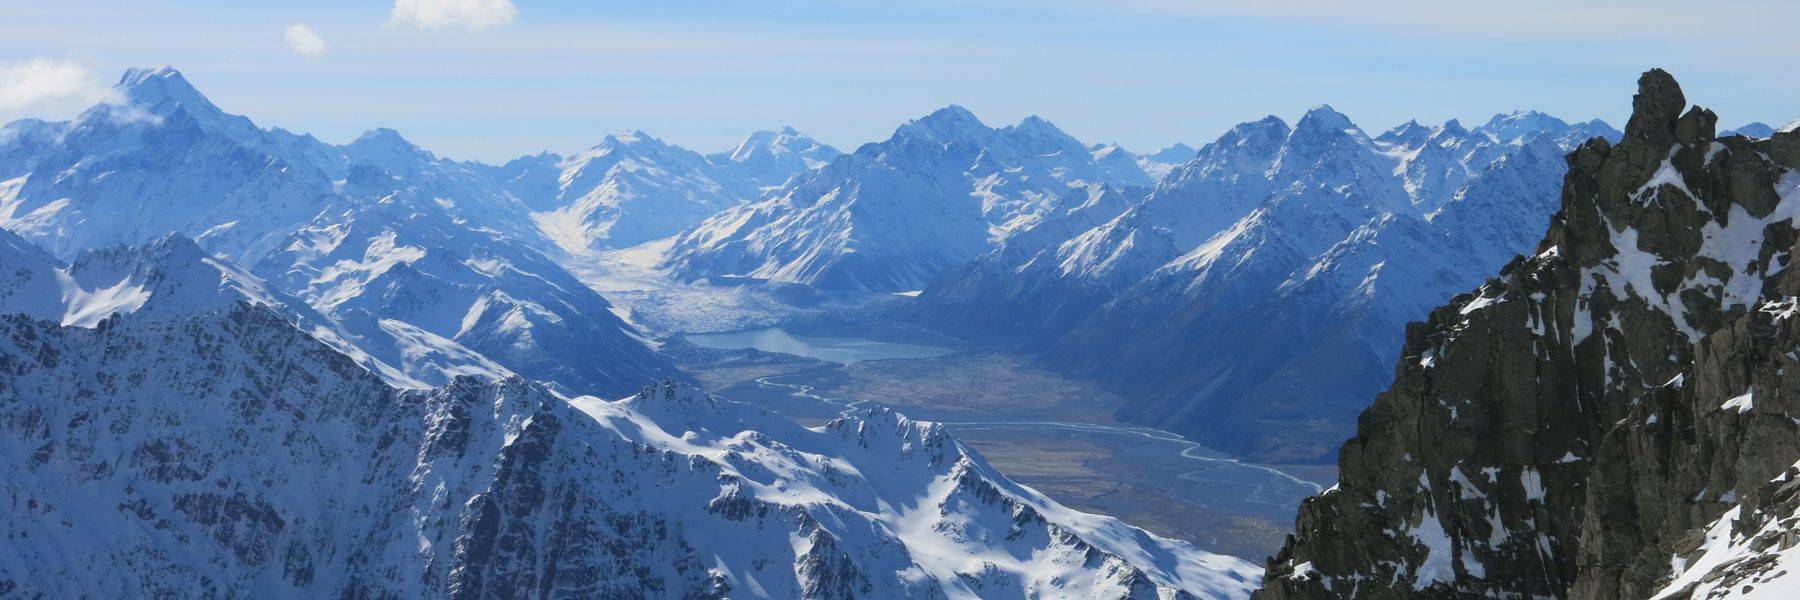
x: 629, y: 189
x: 893, y: 215
x: 1160, y: 163
x: 138, y: 460
x: 430, y: 264
x: 770, y: 158
x: 1745, y: 554
x: 173, y: 277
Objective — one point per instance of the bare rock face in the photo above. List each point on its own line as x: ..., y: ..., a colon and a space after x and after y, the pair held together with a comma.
x: 1565, y: 430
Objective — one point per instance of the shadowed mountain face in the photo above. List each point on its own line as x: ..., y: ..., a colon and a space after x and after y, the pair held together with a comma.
x: 1609, y: 418
x: 1254, y: 297
x: 222, y: 451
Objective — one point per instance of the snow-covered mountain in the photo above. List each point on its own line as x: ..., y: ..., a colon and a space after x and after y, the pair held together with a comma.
x: 222, y: 451
x: 1254, y: 296
x: 629, y: 189
x: 1756, y: 130
x: 893, y: 215
x: 1162, y: 162
x: 770, y: 158
x: 174, y: 277
x: 427, y: 263
x: 1175, y: 154
x: 1122, y: 167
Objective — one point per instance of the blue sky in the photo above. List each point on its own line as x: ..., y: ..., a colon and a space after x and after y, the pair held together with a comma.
x: 559, y: 75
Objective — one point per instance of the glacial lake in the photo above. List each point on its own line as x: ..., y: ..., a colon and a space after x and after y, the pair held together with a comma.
x: 834, y: 349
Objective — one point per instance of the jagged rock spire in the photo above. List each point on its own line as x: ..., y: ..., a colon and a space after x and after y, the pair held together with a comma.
x: 1655, y: 108
x: 1523, y: 449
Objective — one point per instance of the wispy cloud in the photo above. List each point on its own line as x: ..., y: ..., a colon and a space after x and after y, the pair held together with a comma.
x: 303, y: 41
x: 47, y: 88
x: 452, y: 14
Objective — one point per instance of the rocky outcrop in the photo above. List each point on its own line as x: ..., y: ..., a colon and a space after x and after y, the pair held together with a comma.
x: 1565, y: 429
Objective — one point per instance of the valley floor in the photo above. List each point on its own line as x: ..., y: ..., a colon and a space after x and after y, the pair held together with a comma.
x: 1043, y: 430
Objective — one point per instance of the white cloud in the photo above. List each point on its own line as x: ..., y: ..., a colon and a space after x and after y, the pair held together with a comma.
x: 44, y: 88
x: 441, y: 14
x: 302, y: 40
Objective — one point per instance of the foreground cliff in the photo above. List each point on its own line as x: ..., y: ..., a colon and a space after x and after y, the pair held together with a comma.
x: 1577, y: 426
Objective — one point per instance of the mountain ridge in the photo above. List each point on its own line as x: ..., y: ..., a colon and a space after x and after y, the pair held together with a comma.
x: 893, y: 214
x: 1301, y: 248
x: 1579, y: 426
x: 481, y: 488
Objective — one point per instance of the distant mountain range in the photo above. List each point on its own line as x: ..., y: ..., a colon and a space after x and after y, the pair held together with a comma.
x: 240, y: 361
x: 189, y: 301
x: 1254, y: 297
x: 422, y: 262
x: 894, y: 215
x: 441, y: 267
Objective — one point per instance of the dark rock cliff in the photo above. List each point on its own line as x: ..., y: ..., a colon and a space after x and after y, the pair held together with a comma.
x: 1563, y: 431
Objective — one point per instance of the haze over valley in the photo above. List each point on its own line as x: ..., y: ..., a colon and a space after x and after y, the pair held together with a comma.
x: 1297, y: 355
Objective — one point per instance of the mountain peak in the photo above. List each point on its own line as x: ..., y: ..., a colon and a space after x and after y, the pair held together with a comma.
x: 785, y: 140
x: 952, y: 122
x: 1756, y: 130
x: 177, y: 246
x: 1177, y: 153
x: 1324, y: 122
x: 953, y: 116
x: 758, y: 141
x: 1520, y: 125
x: 162, y: 91
x: 381, y: 135
x: 1267, y: 131
x: 1451, y: 127
x: 1324, y: 117
x: 382, y: 147
x: 1042, y: 135
x: 1525, y: 116
x: 1656, y: 107
x: 1405, y: 133
x: 950, y: 113
x: 950, y: 118
x: 172, y: 250
x: 136, y: 76
x: 630, y: 138
x: 771, y: 158
x: 770, y: 138
x: 1035, y: 122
